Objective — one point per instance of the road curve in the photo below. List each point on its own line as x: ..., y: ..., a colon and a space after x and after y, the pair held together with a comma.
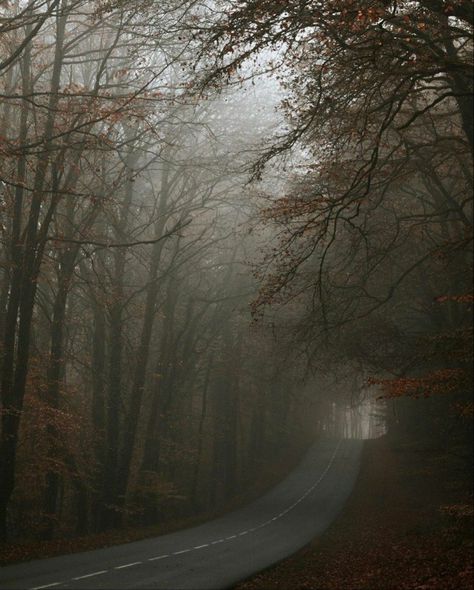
x: 221, y: 552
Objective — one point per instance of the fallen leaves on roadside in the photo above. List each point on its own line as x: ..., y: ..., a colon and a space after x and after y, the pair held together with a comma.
x: 405, y: 527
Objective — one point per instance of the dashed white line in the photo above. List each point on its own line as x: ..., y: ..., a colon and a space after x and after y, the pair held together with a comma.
x: 121, y: 567
x: 158, y: 557
x: 91, y: 575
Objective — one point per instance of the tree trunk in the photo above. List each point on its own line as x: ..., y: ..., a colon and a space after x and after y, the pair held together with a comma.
x: 22, y: 299
x: 111, y: 493
x: 138, y: 385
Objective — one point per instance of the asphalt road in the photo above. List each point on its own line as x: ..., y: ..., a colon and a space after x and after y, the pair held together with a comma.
x: 218, y: 553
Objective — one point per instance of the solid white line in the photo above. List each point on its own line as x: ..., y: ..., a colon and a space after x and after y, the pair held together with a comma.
x: 121, y: 567
x: 90, y: 575
x: 218, y: 541
x: 47, y: 586
x: 201, y: 546
x: 158, y: 557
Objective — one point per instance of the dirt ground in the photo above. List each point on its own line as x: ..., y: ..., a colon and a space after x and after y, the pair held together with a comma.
x: 407, y: 525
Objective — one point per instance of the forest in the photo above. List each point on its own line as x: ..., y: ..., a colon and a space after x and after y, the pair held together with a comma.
x: 225, y: 228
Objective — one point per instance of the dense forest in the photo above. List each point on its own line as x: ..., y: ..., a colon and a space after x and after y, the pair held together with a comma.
x: 224, y: 228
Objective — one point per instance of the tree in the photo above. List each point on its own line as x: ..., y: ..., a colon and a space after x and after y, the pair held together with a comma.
x: 375, y: 222
x: 59, y: 92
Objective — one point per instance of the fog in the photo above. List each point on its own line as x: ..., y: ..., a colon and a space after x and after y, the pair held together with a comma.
x: 200, y: 276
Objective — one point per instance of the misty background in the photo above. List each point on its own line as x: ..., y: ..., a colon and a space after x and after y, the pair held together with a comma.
x: 188, y: 297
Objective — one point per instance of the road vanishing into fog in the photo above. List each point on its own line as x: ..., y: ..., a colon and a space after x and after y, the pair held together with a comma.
x: 221, y: 552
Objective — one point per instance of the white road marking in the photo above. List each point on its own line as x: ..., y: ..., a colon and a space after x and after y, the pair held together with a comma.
x: 158, y: 557
x: 91, y: 575
x: 300, y: 499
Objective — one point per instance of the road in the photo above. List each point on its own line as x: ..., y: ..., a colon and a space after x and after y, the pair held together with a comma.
x: 221, y: 552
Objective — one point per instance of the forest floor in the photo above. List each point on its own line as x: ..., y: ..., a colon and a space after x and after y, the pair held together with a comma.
x: 407, y: 525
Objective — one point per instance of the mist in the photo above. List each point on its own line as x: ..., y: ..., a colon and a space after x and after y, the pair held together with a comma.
x: 227, y: 235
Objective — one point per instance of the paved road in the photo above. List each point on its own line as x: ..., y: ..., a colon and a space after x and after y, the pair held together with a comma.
x: 219, y: 553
